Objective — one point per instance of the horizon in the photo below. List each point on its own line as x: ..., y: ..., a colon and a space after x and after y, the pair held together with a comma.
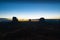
x: 22, y: 19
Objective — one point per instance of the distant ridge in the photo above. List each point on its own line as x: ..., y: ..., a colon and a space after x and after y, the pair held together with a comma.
x: 4, y: 20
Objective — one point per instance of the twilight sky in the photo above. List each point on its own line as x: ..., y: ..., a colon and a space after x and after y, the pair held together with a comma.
x: 29, y: 10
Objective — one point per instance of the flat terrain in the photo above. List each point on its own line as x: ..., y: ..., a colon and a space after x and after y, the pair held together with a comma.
x: 47, y: 30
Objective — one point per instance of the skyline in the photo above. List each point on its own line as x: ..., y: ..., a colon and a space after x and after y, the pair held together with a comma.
x: 30, y: 10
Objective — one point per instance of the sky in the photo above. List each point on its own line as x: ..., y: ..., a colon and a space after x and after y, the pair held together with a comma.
x: 29, y: 10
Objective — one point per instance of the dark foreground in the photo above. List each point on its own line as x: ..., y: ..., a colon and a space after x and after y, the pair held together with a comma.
x: 47, y: 30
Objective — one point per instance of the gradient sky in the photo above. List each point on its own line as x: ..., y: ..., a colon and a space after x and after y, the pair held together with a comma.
x: 29, y: 10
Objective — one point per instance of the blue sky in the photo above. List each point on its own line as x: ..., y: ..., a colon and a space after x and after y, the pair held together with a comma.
x: 29, y: 10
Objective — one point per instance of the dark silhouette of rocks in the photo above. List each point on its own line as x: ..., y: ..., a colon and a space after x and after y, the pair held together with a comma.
x: 14, y: 22
x: 42, y: 19
x: 29, y: 30
x: 14, y: 19
x: 29, y: 20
